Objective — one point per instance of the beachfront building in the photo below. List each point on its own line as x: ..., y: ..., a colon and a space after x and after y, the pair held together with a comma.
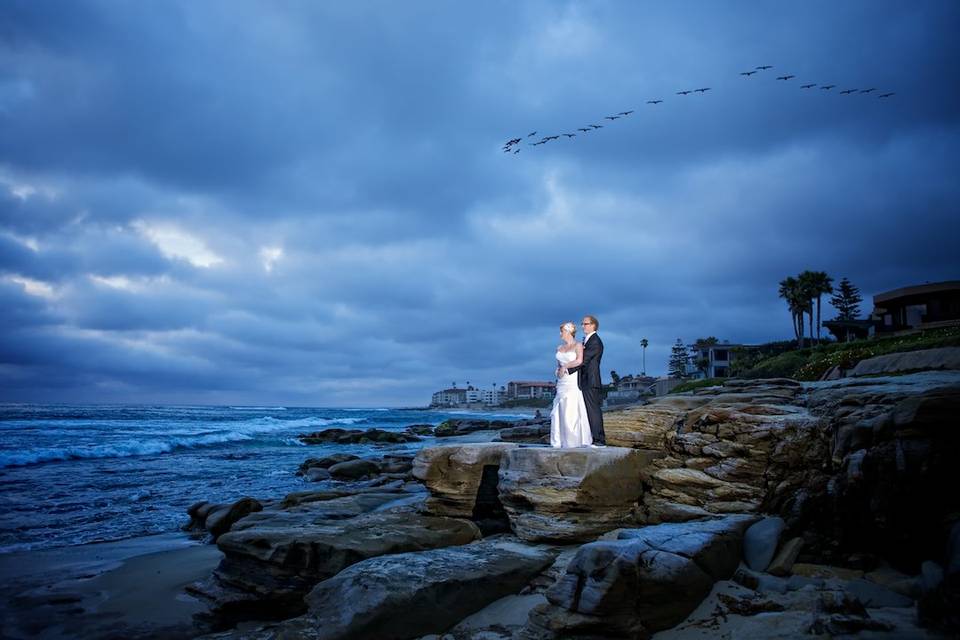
x: 529, y: 390
x: 712, y: 360
x: 494, y: 397
x: 630, y: 388
x: 924, y: 306
x: 905, y: 310
x: 454, y: 397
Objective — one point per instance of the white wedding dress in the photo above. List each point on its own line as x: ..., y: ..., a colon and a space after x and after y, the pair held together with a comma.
x: 569, y: 425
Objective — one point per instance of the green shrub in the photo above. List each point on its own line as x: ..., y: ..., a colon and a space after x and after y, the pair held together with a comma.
x: 811, y: 363
x: 697, y: 384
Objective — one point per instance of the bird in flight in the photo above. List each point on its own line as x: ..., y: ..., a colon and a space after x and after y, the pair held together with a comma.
x: 570, y: 135
x: 654, y: 101
x: 703, y: 90
x: 531, y: 134
x: 597, y: 126
x: 625, y: 113
x: 845, y: 92
x: 868, y: 90
x: 533, y: 144
x: 517, y: 151
x: 611, y: 117
x: 683, y: 93
x: 886, y: 95
x: 748, y: 73
x: 551, y: 137
x: 808, y: 86
x: 785, y: 77
x: 828, y: 86
x: 584, y: 129
x: 765, y: 67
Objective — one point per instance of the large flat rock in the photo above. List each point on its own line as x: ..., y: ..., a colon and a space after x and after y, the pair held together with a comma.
x: 407, y: 595
x: 571, y: 495
x: 272, y: 561
x: 453, y: 474
x: 647, y: 580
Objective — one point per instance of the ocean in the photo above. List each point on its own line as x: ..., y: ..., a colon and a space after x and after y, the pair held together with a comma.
x: 73, y: 474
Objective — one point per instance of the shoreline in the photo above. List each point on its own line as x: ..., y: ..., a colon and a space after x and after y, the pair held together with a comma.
x: 132, y: 588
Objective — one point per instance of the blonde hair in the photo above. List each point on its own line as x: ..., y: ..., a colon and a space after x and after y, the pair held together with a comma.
x: 593, y: 319
x: 570, y: 327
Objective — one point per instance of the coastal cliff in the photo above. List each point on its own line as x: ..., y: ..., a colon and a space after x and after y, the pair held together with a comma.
x: 825, y: 506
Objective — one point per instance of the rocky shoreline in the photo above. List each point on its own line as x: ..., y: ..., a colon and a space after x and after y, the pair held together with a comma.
x: 765, y: 508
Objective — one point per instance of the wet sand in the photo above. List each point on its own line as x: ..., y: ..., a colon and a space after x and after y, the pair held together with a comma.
x: 125, y: 589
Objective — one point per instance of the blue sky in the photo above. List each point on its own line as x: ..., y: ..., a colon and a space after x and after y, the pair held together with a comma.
x: 307, y: 203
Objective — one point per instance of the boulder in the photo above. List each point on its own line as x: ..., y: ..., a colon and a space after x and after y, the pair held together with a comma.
x: 274, y: 557
x: 647, y: 580
x: 454, y: 473
x: 218, y: 518
x: 922, y: 360
x: 782, y: 563
x: 571, y: 495
x: 355, y: 436
x: 406, y: 595
x: 458, y: 427
x: 316, y: 474
x: 420, y: 429
x: 538, y: 433
x: 325, y: 462
x: 354, y: 469
x: 761, y: 541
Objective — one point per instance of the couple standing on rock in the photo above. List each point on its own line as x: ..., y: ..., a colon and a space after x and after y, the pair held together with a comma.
x: 576, y: 419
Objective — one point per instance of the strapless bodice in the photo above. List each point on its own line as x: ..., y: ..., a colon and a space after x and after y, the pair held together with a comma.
x: 566, y: 356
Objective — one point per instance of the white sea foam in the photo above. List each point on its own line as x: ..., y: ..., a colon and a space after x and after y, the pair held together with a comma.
x: 232, y: 432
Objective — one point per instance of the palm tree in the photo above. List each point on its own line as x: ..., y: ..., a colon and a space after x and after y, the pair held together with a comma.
x: 808, y: 291
x: 643, y: 344
x: 790, y: 291
x: 822, y: 284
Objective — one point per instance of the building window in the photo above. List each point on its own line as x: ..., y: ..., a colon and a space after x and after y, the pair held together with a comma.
x: 720, y: 354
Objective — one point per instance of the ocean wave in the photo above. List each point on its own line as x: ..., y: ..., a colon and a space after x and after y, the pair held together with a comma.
x: 122, y: 449
x: 315, y: 422
x: 234, y: 432
x: 258, y: 408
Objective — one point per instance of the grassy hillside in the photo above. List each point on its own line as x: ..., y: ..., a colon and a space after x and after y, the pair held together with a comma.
x: 813, y: 362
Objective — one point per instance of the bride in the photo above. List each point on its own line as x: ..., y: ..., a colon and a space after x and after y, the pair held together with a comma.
x: 569, y: 425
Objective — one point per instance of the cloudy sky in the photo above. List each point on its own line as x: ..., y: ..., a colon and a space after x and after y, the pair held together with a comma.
x: 307, y: 202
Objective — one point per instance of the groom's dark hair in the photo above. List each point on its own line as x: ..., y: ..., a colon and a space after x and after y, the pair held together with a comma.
x: 593, y: 319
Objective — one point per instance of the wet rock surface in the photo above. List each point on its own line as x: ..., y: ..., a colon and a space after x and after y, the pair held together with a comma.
x: 647, y: 580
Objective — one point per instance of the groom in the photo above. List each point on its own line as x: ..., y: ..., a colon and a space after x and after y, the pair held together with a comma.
x: 589, y: 378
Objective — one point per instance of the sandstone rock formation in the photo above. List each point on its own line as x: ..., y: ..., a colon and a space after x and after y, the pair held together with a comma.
x: 647, y: 580
x: 410, y: 594
x: 275, y: 556
x: 454, y: 473
x: 571, y: 495
x: 851, y: 465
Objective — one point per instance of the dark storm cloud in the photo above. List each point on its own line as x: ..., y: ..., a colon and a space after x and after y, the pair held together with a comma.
x: 245, y: 202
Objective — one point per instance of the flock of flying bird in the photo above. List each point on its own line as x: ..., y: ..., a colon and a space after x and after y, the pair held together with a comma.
x: 513, y: 145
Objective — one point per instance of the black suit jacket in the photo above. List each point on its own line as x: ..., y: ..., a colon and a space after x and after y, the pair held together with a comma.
x: 590, y: 368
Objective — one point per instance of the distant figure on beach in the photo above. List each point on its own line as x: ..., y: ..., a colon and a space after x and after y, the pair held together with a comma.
x: 588, y: 380
x: 569, y: 422
x: 537, y: 415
